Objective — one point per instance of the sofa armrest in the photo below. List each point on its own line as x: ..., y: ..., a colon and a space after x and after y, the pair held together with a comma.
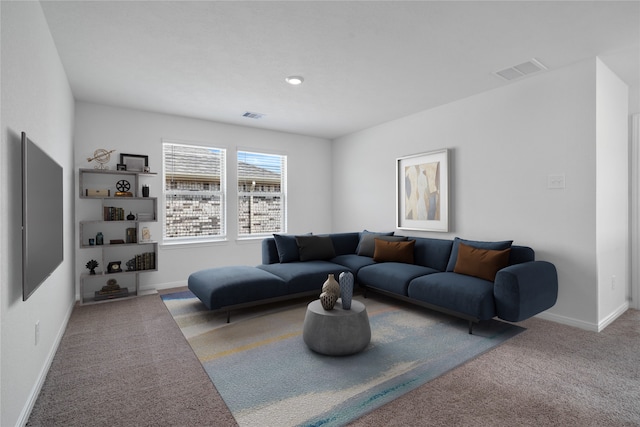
x: 524, y: 290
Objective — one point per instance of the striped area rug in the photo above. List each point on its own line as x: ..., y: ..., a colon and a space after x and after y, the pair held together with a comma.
x: 268, y: 377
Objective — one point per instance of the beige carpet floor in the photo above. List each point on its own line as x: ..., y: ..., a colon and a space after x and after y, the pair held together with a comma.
x: 126, y: 363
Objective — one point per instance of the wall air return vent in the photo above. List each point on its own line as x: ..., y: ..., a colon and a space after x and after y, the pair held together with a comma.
x: 251, y: 115
x: 521, y: 70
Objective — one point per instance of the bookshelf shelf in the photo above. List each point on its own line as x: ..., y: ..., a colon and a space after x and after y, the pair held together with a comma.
x: 119, y: 217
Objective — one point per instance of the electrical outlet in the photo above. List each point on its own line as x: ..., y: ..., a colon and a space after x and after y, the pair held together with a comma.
x: 613, y: 283
x: 37, y: 332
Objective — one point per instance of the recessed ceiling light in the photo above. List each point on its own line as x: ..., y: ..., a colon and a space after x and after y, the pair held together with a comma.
x: 294, y: 80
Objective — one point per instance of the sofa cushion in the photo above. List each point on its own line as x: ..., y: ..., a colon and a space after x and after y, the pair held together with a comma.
x: 345, y: 243
x: 366, y: 245
x: 498, y: 246
x: 482, y: 263
x: 315, y: 247
x: 386, y: 251
x: 287, y: 247
x: 304, y: 276
x: 353, y: 262
x: 391, y: 276
x: 226, y: 286
x: 432, y: 253
x: 456, y: 292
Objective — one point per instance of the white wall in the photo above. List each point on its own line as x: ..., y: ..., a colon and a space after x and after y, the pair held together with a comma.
x: 504, y: 145
x: 634, y: 288
x: 138, y: 132
x: 612, y: 194
x: 36, y: 98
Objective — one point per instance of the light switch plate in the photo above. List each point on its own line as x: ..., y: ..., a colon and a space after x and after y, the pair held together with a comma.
x: 555, y: 182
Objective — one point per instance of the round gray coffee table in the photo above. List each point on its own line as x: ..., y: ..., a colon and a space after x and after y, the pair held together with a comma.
x: 336, y: 332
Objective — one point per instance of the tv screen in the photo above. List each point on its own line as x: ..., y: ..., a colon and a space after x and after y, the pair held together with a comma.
x: 42, y: 216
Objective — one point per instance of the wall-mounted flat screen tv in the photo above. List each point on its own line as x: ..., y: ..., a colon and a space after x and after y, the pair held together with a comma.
x: 42, y: 216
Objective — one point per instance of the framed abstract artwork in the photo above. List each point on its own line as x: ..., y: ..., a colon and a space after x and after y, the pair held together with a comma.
x: 422, y: 191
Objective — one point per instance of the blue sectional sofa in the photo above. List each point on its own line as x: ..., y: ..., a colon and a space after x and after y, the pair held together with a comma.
x: 472, y: 280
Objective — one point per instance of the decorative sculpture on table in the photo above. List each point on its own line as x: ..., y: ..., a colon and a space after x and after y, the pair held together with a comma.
x: 346, y: 289
x: 328, y: 300
x: 330, y: 293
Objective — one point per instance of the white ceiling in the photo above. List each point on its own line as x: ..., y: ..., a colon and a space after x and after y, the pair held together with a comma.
x: 364, y: 63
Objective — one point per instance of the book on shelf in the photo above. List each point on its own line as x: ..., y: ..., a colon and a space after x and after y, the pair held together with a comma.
x: 145, y: 261
x: 100, y: 295
x: 132, y: 235
x: 112, y: 213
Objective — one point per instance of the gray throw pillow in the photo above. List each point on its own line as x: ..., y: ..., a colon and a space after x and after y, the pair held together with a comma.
x: 367, y: 244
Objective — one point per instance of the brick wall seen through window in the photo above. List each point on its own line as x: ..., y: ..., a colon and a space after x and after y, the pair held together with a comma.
x: 261, y: 193
x: 194, y: 192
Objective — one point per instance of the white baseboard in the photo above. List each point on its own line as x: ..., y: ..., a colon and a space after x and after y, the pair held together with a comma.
x: 168, y: 285
x: 569, y: 321
x: 589, y: 326
x: 42, y: 376
x: 613, y: 316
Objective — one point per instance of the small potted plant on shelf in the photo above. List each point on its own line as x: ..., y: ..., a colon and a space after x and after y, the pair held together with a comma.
x: 91, y: 265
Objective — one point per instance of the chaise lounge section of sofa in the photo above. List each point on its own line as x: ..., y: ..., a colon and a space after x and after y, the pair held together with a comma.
x: 473, y: 280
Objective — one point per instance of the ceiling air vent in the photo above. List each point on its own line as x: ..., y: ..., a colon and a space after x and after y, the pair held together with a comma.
x: 521, y: 70
x: 251, y: 115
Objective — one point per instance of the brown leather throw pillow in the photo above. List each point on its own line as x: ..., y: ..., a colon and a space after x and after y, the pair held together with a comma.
x: 482, y: 263
x: 386, y: 251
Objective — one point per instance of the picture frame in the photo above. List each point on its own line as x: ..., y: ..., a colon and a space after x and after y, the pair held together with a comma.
x: 121, y: 167
x: 134, y: 162
x: 145, y: 234
x: 422, y: 191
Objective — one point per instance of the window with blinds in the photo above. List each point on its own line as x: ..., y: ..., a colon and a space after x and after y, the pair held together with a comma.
x: 194, y: 192
x: 262, y: 207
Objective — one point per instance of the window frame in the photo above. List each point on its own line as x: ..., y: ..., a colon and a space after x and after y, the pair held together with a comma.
x: 283, y: 160
x: 222, y: 192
